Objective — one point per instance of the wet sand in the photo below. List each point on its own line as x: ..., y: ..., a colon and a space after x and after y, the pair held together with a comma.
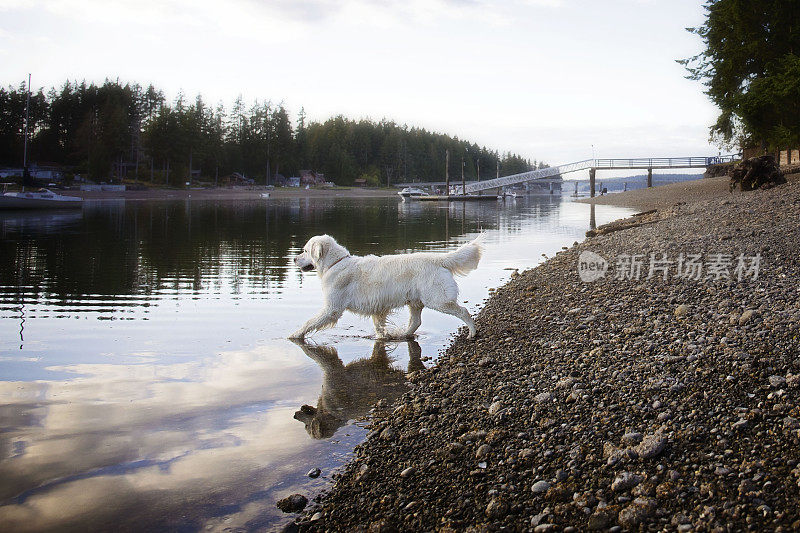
x: 665, y: 195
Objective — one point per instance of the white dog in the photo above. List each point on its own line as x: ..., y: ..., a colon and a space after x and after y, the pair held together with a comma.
x: 375, y: 286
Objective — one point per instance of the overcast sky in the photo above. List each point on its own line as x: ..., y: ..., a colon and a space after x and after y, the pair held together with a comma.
x: 545, y: 78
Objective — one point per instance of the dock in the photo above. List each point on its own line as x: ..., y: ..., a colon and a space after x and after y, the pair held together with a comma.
x: 457, y: 198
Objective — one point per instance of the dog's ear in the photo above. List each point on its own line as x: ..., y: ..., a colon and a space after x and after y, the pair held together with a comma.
x: 318, y: 250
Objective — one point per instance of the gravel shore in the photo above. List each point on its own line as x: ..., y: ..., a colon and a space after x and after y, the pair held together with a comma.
x: 618, y: 404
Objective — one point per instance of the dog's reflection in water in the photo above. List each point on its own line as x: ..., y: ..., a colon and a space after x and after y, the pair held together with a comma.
x: 349, y: 391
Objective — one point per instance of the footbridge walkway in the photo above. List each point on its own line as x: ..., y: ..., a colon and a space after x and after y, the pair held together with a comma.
x: 593, y: 165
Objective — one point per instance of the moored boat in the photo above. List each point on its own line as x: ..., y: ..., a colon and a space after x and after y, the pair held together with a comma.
x: 411, y: 192
x: 43, y: 199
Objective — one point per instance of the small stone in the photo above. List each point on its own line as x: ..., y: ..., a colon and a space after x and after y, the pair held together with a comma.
x: 495, y: 408
x: 777, y: 382
x: 316, y: 516
x: 293, y: 504
x: 540, y: 487
x: 791, y: 422
x: 483, y: 451
x: 625, y: 481
x: 496, y: 509
x: 740, y: 424
x: 682, y: 310
x: 634, y: 514
x: 544, y: 528
x: 408, y: 472
x: 314, y: 473
x: 651, y: 446
x: 388, y: 433
x: 722, y: 471
x: 543, y: 397
x: 746, y: 317
x: 632, y: 437
x: 600, y: 519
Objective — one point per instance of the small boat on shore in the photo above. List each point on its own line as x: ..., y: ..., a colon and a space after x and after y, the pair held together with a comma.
x: 412, y: 192
x: 42, y: 199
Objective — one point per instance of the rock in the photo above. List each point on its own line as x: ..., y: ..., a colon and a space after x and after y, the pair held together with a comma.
x: 543, y: 397
x: 483, y: 451
x: 293, y: 504
x: 314, y: 473
x: 495, y: 408
x: 632, y: 437
x: 682, y: 310
x: 544, y: 528
x: 388, y: 433
x: 790, y: 423
x: 777, y: 382
x: 540, y: 487
x: 651, y: 446
x: 746, y: 317
x: 408, y: 472
x: 455, y: 448
x: 537, y: 519
x: 496, y: 509
x: 602, y: 517
x: 316, y: 516
x: 635, y: 514
x: 473, y: 436
x: 740, y: 425
x: 625, y: 481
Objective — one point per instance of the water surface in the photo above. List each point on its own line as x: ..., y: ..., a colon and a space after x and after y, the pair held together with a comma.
x: 145, y: 378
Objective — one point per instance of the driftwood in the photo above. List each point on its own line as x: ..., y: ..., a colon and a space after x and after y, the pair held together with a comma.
x: 755, y: 173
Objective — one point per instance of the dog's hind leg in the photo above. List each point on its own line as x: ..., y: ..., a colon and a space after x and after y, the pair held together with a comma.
x: 452, y: 308
x: 415, y: 320
x: 324, y: 319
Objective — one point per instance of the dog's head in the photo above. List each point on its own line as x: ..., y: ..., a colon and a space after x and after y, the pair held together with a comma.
x: 319, y: 252
x: 319, y: 424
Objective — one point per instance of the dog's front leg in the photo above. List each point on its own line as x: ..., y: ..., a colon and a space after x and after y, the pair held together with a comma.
x: 323, y: 319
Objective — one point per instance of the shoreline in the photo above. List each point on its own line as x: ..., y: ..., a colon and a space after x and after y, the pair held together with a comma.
x: 615, y: 404
x: 230, y: 194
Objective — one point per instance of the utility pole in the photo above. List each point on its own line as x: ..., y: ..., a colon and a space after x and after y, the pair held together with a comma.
x: 447, y: 172
x: 26, y: 176
x: 463, y: 182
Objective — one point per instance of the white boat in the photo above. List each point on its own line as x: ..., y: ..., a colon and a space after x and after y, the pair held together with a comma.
x: 410, y: 192
x: 42, y: 199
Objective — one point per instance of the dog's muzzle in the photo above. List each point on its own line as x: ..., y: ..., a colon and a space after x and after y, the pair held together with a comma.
x: 307, y: 268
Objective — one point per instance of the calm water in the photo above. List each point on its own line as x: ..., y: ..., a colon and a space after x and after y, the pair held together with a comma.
x: 145, y: 379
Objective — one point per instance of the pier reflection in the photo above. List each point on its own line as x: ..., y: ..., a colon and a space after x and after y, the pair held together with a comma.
x: 350, y: 390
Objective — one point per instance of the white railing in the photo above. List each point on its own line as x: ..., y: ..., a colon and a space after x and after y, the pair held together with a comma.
x: 651, y: 162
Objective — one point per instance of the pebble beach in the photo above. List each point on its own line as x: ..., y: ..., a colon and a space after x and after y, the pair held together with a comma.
x: 663, y: 399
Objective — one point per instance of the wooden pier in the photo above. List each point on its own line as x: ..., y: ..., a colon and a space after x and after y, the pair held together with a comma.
x: 456, y: 198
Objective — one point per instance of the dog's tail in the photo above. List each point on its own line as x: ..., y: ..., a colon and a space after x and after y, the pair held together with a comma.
x: 465, y: 259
